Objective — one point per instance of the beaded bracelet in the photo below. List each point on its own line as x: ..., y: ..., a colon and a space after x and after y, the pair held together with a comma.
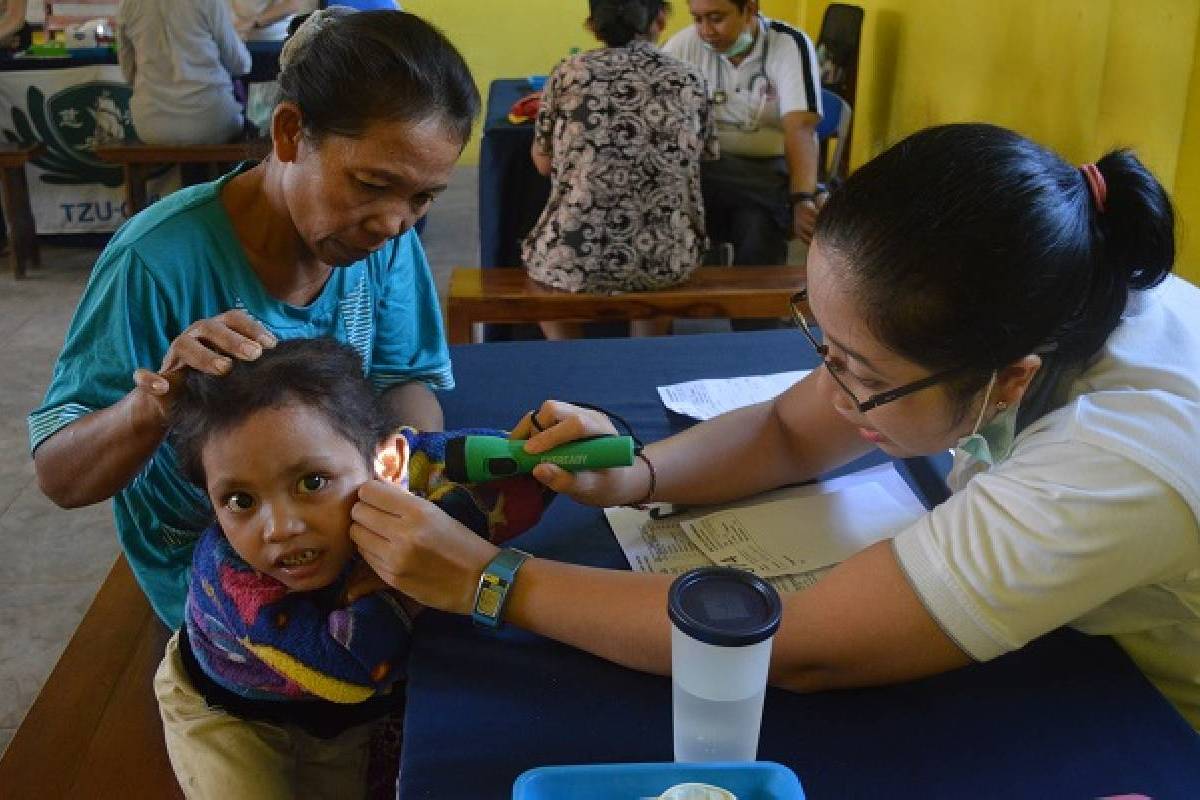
x: 653, y: 483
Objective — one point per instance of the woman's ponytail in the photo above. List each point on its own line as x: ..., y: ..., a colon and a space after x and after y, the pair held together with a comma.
x: 1138, y: 223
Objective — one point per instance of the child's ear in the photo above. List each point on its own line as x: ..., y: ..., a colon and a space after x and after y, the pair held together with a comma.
x: 391, y: 460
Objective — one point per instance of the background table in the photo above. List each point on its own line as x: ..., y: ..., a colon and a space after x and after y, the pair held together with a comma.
x: 1068, y: 716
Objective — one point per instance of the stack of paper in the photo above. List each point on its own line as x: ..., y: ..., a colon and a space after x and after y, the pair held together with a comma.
x: 790, y: 536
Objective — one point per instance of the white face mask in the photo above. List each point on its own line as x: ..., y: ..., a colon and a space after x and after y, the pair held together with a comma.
x: 986, y: 446
x: 740, y: 46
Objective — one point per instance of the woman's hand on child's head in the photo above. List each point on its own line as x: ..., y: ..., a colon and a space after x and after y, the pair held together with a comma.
x: 208, y: 346
x: 417, y: 548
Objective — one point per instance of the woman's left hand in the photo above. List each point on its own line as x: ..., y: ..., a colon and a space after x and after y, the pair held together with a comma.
x: 417, y: 548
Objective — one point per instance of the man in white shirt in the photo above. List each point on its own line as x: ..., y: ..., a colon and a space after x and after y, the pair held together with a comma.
x: 763, y: 79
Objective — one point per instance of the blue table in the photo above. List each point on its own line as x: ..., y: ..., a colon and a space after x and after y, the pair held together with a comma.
x: 1068, y: 716
x: 512, y: 193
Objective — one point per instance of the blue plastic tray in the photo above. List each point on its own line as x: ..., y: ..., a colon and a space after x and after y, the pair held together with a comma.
x: 752, y: 780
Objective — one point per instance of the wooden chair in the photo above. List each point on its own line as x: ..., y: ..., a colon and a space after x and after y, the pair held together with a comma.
x: 94, y: 730
x: 509, y: 295
x: 14, y: 193
x: 139, y: 160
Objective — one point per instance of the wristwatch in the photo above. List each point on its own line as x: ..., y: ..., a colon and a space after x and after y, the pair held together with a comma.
x: 801, y: 197
x: 494, y: 585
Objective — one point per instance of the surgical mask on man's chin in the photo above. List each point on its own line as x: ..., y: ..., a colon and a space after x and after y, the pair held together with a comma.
x: 740, y: 46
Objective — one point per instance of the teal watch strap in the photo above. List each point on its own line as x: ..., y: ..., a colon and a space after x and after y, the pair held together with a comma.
x: 494, y: 585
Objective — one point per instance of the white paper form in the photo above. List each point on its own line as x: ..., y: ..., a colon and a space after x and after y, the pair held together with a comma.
x: 799, y: 534
x: 708, y: 398
x: 663, y: 546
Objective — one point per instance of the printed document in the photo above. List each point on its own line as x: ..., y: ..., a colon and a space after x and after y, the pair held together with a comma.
x: 790, y: 536
x: 705, y: 399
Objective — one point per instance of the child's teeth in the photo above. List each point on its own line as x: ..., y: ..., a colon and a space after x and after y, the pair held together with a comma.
x: 300, y: 558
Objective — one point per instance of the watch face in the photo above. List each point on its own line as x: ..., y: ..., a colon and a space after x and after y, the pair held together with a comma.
x: 489, y: 601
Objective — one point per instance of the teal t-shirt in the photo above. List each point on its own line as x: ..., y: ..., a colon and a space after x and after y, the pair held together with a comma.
x: 178, y: 262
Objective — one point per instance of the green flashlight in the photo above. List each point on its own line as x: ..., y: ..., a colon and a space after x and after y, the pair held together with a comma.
x: 476, y: 459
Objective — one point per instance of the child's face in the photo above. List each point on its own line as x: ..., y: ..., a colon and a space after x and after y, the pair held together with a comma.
x: 283, y: 483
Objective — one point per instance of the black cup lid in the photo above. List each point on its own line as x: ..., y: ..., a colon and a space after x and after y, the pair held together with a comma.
x: 724, y: 606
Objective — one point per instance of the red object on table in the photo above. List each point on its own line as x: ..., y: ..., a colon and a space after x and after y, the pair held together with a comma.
x: 525, y: 109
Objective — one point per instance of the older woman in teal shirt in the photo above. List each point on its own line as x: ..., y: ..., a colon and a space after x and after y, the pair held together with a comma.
x: 316, y: 240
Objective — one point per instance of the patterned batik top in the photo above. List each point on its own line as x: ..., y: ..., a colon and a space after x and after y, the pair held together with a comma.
x: 627, y: 128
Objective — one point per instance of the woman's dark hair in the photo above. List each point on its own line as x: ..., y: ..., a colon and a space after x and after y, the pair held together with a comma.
x: 320, y: 374
x: 346, y: 70
x: 969, y: 246
x: 619, y: 22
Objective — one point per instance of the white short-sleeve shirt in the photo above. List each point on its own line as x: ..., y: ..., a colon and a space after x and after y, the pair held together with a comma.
x: 779, y: 75
x: 1092, y: 520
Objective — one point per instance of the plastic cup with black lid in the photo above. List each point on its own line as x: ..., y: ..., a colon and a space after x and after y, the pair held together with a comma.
x: 722, y: 624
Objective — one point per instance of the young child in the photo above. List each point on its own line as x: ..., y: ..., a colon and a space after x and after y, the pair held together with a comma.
x: 291, y: 648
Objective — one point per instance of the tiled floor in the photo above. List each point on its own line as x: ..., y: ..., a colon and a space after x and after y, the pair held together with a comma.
x: 52, y: 561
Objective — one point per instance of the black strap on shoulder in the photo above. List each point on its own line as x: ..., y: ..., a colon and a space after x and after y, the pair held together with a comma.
x: 811, y: 89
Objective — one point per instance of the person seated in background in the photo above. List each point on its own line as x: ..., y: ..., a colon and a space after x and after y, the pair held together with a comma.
x: 764, y: 83
x: 12, y: 20
x: 621, y: 131
x: 292, y: 650
x: 181, y: 59
x: 267, y: 20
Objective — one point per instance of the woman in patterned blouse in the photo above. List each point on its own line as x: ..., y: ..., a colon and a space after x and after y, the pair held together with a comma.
x: 621, y: 133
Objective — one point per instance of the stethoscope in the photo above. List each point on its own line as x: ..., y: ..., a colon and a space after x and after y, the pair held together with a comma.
x: 720, y: 96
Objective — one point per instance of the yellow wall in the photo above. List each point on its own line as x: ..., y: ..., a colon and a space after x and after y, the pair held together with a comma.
x: 1081, y: 76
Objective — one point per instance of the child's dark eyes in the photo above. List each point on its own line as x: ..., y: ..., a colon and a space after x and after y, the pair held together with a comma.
x: 313, y: 483
x: 239, y: 502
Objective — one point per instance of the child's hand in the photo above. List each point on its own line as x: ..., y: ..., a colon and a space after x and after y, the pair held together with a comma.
x: 362, y: 582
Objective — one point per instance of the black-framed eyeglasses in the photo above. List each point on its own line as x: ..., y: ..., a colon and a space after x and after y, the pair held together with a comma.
x: 799, y: 299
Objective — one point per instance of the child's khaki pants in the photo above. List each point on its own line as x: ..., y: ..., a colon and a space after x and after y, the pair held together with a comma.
x: 216, y: 755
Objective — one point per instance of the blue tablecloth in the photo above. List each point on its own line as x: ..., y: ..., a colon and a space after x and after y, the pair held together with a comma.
x: 1068, y: 716
x: 512, y: 193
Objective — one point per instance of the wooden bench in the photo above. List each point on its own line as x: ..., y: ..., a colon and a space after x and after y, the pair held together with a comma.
x: 18, y: 216
x: 509, y: 295
x: 138, y: 161
x: 94, y: 730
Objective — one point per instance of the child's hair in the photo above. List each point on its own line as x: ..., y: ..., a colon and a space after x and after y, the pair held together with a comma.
x: 321, y: 374
x: 969, y: 246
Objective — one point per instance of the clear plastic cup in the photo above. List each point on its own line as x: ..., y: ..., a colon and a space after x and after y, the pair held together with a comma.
x: 722, y: 623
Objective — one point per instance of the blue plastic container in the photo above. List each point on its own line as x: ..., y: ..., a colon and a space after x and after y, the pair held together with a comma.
x: 751, y: 780
x: 536, y: 82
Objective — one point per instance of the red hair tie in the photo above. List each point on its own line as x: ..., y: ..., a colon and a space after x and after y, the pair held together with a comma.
x: 1096, y: 185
